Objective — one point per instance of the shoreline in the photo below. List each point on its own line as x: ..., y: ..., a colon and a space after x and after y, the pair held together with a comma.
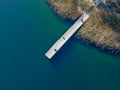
x: 89, y: 36
x: 99, y: 48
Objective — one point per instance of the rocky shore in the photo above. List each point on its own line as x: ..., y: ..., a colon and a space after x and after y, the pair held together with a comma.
x: 102, y: 28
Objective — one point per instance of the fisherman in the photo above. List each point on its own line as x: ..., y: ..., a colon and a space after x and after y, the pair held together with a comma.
x: 64, y: 38
x: 55, y: 50
x: 82, y: 20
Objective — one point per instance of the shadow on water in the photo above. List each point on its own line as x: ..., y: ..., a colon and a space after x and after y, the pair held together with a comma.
x: 63, y: 52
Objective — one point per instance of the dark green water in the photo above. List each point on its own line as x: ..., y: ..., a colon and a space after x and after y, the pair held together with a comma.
x: 27, y: 30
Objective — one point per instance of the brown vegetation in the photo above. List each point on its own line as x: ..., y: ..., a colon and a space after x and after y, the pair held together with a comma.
x: 69, y: 9
x: 102, y: 28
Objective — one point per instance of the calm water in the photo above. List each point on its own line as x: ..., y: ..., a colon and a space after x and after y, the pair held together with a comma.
x: 27, y: 30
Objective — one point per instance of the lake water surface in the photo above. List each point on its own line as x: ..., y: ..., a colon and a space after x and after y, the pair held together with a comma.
x: 28, y: 28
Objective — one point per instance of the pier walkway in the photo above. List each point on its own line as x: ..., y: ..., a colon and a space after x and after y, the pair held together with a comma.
x: 64, y: 38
